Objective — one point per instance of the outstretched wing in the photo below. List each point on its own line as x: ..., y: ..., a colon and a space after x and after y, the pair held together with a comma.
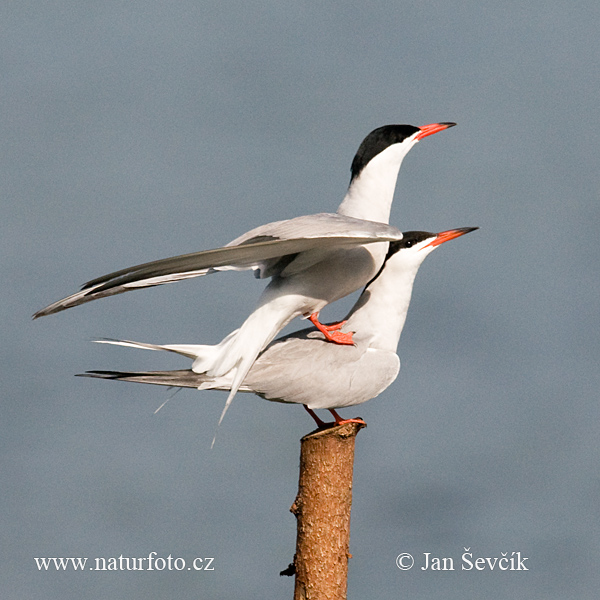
x: 268, y: 249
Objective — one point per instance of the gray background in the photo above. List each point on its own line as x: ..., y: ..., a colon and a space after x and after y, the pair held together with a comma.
x: 132, y: 131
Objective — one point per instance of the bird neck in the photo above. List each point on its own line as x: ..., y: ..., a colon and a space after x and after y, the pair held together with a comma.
x: 380, y: 312
x: 371, y: 192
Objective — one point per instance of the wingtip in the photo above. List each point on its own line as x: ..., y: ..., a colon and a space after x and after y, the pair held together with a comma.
x: 99, y: 374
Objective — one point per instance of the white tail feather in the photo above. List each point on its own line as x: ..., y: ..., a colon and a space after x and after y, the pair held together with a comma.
x: 188, y: 350
x: 239, y: 351
x: 233, y: 357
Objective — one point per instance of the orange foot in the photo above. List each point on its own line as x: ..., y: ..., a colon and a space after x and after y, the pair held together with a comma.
x: 331, y: 332
x: 338, y: 420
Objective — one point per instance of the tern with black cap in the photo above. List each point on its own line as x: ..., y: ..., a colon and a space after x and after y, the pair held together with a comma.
x: 312, y: 260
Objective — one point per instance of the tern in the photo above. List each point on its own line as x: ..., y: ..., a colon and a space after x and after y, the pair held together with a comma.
x: 311, y: 260
x: 303, y: 368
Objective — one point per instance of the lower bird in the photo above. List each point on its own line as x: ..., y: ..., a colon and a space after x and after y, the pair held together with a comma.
x: 304, y: 368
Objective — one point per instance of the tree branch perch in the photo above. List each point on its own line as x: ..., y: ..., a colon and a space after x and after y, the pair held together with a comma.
x: 322, y: 509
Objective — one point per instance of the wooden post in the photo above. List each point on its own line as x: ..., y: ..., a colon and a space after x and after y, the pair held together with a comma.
x: 322, y: 508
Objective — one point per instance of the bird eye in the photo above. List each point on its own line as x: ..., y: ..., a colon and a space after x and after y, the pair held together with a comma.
x: 409, y: 243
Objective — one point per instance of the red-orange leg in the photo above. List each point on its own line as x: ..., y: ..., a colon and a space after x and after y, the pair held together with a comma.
x: 331, y: 332
x: 338, y: 420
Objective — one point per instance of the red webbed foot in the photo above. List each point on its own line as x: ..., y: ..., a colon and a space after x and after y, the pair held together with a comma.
x: 331, y: 332
x: 338, y: 420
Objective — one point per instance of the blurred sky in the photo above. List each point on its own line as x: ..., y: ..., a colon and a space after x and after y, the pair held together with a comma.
x: 132, y: 131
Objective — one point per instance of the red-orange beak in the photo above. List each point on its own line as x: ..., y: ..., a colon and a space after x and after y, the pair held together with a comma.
x: 433, y: 128
x: 446, y: 236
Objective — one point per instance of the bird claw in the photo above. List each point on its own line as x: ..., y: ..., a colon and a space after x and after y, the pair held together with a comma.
x: 334, y: 326
x: 338, y: 420
x: 338, y: 337
x: 358, y: 420
x: 331, y: 332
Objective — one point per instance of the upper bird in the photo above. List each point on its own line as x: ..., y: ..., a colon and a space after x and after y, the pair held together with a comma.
x: 302, y: 368
x: 312, y: 260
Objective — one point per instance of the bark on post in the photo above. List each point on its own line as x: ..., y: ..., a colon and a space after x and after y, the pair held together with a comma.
x: 322, y: 508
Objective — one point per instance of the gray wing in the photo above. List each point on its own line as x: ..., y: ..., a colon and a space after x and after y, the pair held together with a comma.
x: 268, y: 248
x: 305, y: 369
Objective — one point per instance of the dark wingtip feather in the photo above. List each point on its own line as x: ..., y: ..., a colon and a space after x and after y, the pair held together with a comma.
x: 105, y: 374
